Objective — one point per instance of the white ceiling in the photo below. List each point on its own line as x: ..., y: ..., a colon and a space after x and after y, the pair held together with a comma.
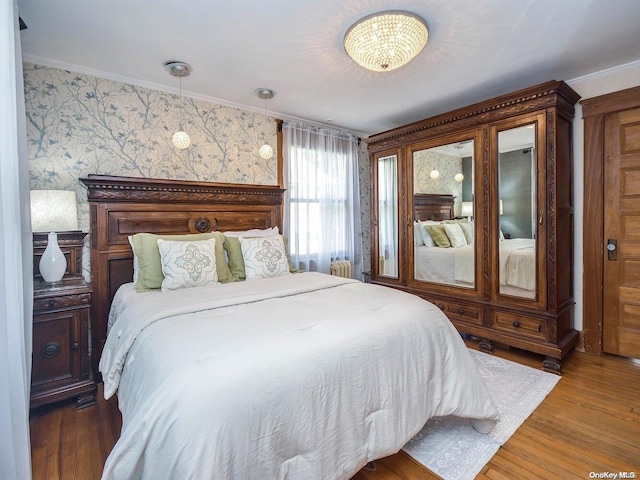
x: 477, y: 49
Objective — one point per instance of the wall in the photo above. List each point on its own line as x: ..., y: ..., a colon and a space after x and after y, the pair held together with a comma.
x: 424, y: 161
x: 589, y: 86
x: 515, y: 193
x: 79, y: 124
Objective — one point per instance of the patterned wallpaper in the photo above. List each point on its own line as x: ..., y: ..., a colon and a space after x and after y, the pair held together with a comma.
x: 447, y: 165
x: 365, y: 205
x: 79, y: 124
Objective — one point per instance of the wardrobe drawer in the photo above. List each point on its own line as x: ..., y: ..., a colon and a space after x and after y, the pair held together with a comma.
x: 460, y: 311
x: 523, y: 326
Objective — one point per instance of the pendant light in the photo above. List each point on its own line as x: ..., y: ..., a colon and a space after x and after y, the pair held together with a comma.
x: 266, y: 152
x: 180, y: 139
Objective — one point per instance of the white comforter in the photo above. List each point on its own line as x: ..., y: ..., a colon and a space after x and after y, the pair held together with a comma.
x: 303, y: 376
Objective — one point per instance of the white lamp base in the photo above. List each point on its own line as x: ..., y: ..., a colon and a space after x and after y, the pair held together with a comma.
x: 53, y: 263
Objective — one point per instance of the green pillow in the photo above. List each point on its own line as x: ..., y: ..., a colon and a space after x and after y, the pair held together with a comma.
x: 236, y: 260
x: 439, y: 235
x: 145, y: 247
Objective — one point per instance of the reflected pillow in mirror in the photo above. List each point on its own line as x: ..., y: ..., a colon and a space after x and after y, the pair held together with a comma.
x: 426, y: 237
x: 455, y: 234
x: 439, y: 235
x: 467, y: 229
x: 417, y: 236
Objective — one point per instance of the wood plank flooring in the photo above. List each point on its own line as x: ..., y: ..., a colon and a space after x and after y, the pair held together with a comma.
x: 589, y: 423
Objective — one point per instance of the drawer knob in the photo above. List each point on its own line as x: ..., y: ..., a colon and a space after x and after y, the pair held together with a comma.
x: 516, y: 324
x: 75, y: 346
x: 461, y: 311
x: 441, y: 306
x: 51, y: 303
x: 50, y: 350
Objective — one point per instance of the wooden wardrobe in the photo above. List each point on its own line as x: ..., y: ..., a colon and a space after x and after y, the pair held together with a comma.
x: 508, y: 162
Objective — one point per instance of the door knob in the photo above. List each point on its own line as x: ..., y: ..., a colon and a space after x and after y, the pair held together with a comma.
x: 612, y: 248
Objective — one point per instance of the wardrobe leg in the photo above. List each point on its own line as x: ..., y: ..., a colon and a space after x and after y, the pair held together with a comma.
x: 486, y: 346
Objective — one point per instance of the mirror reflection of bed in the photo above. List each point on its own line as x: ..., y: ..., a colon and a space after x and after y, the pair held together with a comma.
x: 516, y: 186
x: 444, y: 201
x: 444, y: 249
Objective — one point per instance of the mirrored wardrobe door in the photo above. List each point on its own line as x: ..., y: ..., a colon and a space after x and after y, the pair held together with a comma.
x: 387, y: 216
x: 517, y: 211
x: 443, y: 214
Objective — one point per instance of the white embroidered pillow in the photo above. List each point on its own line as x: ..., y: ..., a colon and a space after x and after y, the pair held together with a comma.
x: 455, y: 234
x: 187, y: 264
x: 467, y: 229
x: 264, y: 257
x: 426, y: 236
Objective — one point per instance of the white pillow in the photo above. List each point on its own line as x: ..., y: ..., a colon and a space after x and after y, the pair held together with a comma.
x: 426, y: 237
x: 136, y: 261
x: 417, y: 236
x: 255, y: 232
x: 455, y: 234
x: 264, y: 257
x: 187, y: 264
x: 501, y: 236
x: 467, y: 229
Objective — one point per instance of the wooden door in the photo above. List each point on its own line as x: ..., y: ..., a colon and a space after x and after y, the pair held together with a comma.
x: 621, y: 319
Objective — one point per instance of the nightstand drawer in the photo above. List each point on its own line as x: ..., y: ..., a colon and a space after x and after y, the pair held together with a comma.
x: 49, y: 304
x: 56, y: 345
x: 524, y: 326
x: 460, y: 311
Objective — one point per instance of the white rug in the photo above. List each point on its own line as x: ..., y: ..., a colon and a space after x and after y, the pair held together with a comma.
x: 450, y: 447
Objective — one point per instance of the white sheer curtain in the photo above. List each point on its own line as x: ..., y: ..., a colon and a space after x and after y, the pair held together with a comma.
x: 322, y: 202
x: 15, y: 257
x: 388, y: 215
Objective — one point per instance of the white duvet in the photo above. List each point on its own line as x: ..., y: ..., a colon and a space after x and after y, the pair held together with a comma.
x: 305, y: 376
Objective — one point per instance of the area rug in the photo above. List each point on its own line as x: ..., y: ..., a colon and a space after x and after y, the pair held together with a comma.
x: 450, y: 447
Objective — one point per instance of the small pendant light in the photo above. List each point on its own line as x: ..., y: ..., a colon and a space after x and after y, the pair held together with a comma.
x: 266, y: 151
x: 180, y: 139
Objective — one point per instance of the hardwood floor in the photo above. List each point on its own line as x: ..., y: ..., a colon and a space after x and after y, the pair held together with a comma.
x: 589, y: 423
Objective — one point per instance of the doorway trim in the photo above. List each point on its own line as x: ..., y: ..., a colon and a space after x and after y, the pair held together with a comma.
x: 594, y: 111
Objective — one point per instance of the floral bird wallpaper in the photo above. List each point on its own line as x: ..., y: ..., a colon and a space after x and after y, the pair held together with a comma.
x: 79, y: 124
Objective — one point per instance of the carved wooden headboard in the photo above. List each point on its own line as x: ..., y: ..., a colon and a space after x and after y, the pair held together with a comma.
x: 432, y: 206
x: 123, y: 206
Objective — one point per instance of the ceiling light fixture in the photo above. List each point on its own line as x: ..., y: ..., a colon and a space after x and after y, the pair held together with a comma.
x: 387, y: 40
x: 266, y: 152
x: 180, y: 139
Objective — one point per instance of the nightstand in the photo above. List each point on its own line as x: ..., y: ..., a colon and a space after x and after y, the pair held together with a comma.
x: 61, y: 366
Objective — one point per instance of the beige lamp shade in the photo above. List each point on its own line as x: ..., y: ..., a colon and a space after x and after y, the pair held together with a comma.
x: 53, y: 211
x: 467, y: 209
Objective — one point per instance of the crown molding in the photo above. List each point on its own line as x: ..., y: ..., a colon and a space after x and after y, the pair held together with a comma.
x: 603, y: 74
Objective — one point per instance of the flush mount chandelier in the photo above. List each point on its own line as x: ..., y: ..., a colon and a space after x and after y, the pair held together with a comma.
x: 387, y: 40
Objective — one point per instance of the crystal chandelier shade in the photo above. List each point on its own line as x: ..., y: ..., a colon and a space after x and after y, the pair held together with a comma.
x: 385, y: 41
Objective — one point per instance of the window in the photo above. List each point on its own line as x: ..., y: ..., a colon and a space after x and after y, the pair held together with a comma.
x: 322, y: 211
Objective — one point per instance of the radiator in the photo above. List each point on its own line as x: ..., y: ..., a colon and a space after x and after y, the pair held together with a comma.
x: 341, y: 268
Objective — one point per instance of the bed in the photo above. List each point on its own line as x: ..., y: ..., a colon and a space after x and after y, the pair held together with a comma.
x: 455, y: 266
x: 303, y: 375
